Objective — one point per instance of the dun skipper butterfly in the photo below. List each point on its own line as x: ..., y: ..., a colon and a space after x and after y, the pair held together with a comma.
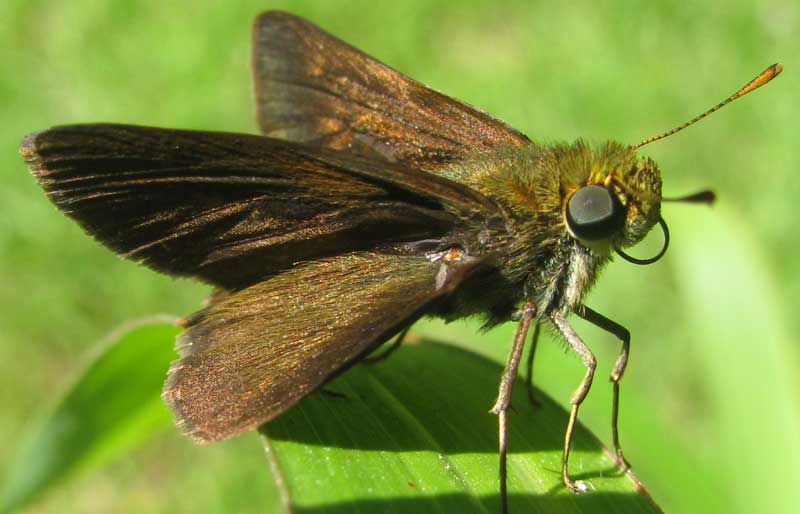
x: 368, y: 202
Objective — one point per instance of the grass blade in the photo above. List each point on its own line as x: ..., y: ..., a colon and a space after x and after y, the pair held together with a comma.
x: 112, y: 406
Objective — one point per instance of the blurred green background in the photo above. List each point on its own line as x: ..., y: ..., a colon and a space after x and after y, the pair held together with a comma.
x: 715, y: 366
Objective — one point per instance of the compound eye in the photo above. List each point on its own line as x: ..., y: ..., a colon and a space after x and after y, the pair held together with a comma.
x: 594, y: 213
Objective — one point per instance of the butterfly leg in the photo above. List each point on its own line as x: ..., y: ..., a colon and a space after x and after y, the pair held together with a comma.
x: 529, y: 366
x: 624, y: 336
x: 579, y: 347
x: 504, y: 397
x: 386, y: 352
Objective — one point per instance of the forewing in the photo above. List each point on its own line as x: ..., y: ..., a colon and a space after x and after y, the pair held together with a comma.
x: 255, y: 353
x: 314, y: 88
x: 232, y: 209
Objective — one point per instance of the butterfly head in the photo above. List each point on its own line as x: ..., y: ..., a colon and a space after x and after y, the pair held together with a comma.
x: 620, y: 200
x: 611, y: 198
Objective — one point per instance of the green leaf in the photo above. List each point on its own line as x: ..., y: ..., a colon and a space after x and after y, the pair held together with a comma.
x: 413, y: 434
x: 113, y: 406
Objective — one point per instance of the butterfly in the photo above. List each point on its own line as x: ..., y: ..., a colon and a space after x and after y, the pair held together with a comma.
x: 368, y: 202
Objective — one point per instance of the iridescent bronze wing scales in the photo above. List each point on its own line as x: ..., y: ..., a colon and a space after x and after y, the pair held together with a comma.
x: 232, y: 209
x: 255, y: 353
x: 314, y: 88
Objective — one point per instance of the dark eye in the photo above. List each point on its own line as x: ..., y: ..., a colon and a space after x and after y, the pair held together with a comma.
x: 594, y: 212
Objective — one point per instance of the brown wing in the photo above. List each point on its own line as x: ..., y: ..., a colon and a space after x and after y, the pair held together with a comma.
x: 255, y: 353
x: 314, y: 88
x: 232, y: 208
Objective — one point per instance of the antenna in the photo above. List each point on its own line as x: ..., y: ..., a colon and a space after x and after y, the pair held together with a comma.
x: 762, y: 78
x: 706, y: 196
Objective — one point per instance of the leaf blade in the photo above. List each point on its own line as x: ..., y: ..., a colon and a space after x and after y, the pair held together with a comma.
x: 394, y: 444
x: 105, y: 412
